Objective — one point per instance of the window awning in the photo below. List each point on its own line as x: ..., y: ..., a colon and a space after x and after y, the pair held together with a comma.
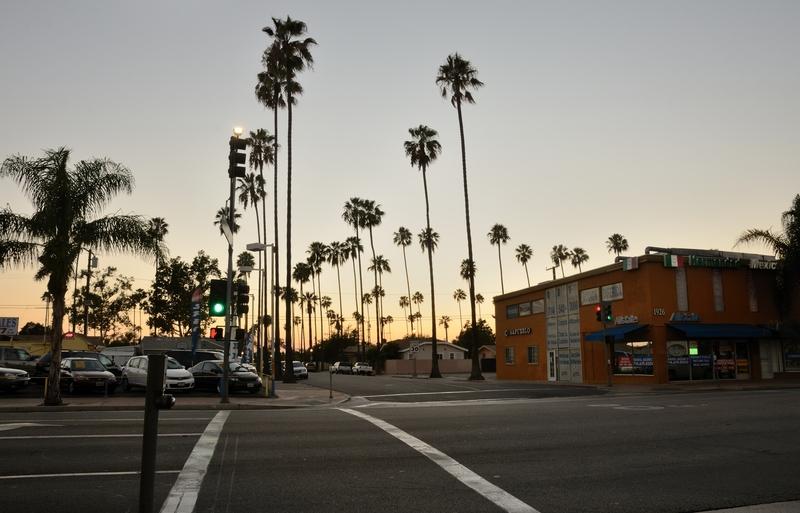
x: 696, y: 330
x: 617, y: 332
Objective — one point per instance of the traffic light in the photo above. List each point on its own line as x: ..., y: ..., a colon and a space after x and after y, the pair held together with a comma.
x: 608, y: 316
x: 240, y: 332
x: 236, y: 159
x: 242, y: 298
x: 217, y: 333
x: 598, y: 312
x: 218, y: 298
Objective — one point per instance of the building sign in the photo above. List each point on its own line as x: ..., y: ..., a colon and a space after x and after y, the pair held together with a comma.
x: 518, y: 331
x: 612, y: 292
x: 9, y: 326
x: 684, y: 317
x: 590, y: 296
x: 703, y: 261
x: 659, y: 312
x: 718, y: 262
x: 626, y: 319
x: 764, y: 264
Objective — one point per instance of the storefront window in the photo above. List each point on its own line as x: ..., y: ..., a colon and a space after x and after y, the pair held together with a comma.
x: 633, y: 358
x: 509, y: 355
x: 512, y: 311
x: 791, y: 356
x: 701, y: 354
x: 678, y: 360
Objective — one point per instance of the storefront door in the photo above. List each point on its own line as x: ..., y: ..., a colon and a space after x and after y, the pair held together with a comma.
x: 552, y: 365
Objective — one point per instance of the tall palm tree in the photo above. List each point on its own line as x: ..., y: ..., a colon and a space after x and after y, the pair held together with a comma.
x: 404, y: 303
x: 459, y: 295
x: 418, y: 299
x: 479, y: 300
x: 158, y: 228
x: 617, y: 243
x: 317, y: 255
x: 302, y: 274
x: 559, y: 254
x: 338, y: 253
x: 66, y: 205
x: 373, y: 215
x: 786, y: 247
x: 222, y: 217
x: 290, y: 52
x: 382, y: 266
x: 354, y: 250
x: 325, y: 304
x: 457, y: 78
x: 445, y: 321
x: 366, y: 300
x: 577, y: 257
x: 353, y: 215
x: 498, y: 235
x: 524, y: 254
x: 403, y: 238
x: 422, y: 150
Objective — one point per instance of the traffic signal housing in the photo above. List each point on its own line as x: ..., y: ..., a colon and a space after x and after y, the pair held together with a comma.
x: 218, y: 298
x: 598, y: 312
x: 608, y: 315
x: 242, y: 298
x: 236, y: 159
x: 217, y: 333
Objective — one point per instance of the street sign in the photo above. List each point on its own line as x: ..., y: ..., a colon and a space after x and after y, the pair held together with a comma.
x: 9, y: 326
x: 414, y: 348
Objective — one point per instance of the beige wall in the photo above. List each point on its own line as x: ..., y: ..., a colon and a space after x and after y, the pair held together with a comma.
x: 424, y: 366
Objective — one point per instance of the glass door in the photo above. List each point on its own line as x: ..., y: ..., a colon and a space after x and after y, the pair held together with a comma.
x: 552, y: 370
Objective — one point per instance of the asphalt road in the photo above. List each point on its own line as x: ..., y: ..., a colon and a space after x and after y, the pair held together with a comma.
x: 612, y: 453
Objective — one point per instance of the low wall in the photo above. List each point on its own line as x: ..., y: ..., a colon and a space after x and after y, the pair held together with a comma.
x: 424, y: 366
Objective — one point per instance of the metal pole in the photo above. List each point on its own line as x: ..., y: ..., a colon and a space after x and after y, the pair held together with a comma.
x: 274, y: 345
x: 155, y: 387
x: 610, y: 351
x: 75, y: 291
x: 229, y: 295
x: 86, y: 296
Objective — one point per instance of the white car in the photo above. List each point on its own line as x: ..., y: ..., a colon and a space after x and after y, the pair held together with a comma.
x: 299, y: 370
x: 363, y: 368
x: 13, y: 379
x: 341, y: 368
x: 134, y: 374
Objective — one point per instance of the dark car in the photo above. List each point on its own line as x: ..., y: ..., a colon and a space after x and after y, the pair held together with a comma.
x: 184, y: 356
x: 43, y: 363
x: 17, y: 358
x: 86, y: 374
x: 208, y: 375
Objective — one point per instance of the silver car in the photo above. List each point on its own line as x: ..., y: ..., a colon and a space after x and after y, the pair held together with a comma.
x: 134, y: 374
x: 13, y: 379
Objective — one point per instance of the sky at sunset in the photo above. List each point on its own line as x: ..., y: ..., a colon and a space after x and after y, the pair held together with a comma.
x: 672, y: 123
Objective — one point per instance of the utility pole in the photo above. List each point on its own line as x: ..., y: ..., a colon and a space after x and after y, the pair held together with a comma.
x: 92, y: 262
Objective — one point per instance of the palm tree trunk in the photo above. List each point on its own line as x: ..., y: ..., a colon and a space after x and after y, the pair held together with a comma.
x: 361, y: 299
x: 341, y: 311
x: 276, y: 300
x: 408, y: 283
x: 377, y: 298
x: 434, y: 349
x: 289, y: 377
x: 500, y: 260
x: 321, y: 314
x: 526, y: 274
x: 476, y: 368
x: 460, y: 317
x: 58, y: 290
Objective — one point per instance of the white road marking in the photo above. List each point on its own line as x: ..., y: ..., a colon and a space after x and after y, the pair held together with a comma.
x: 137, y: 419
x: 634, y: 407
x: 455, y: 392
x: 496, y: 495
x: 603, y: 405
x: 17, y: 425
x: 183, y: 495
x: 772, y: 507
x: 126, y: 435
x: 85, y: 474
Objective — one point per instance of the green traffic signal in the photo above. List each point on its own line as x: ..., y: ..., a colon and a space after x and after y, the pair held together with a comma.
x: 218, y: 298
x: 218, y: 308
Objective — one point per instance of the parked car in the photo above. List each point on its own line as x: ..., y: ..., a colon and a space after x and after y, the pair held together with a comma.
x: 13, y: 379
x: 208, y: 375
x: 299, y: 370
x: 43, y: 363
x: 363, y: 368
x: 17, y: 358
x: 184, y: 356
x: 341, y: 368
x: 121, y: 354
x: 87, y: 374
x: 311, y: 366
x: 134, y: 374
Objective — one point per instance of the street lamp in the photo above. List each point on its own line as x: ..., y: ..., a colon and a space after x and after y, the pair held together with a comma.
x: 262, y: 295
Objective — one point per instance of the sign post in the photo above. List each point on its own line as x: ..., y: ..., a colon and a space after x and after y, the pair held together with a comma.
x: 9, y: 326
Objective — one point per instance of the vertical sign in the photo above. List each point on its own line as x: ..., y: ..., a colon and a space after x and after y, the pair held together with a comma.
x: 197, y: 298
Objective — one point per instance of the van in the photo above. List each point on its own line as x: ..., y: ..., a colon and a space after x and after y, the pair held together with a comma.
x: 17, y: 358
x: 121, y: 354
x: 184, y: 356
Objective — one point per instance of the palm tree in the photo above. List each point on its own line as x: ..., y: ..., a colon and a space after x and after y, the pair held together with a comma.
x: 302, y: 274
x: 353, y: 215
x: 404, y: 303
x: 459, y: 295
x: 617, y: 243
x: 479, y: 300
x: 317, y: 255
x: 290, y: 53
x: 456, y: 78
x: 338, y: 253
x: 373, y: 215
x: 65, y: 202
x: 366, y: 300
x: 354, y: 250
x: 558, y: 255
x: 499, y: 235
x: 403, y: 238
x: 524, y: 254
x: 418, y: 299
x: 158, y: 228
x: 578, y: 256
x: 325, y: 304
x: 222, y: 217
x: 422, y: 150
x: 445, y: 321
x: 786, y: 247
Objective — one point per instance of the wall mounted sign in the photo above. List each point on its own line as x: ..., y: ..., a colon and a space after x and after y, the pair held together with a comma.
x: 659, y: 312
x: 718, y: 262
x: 612, y: 292
x: 684, y: 317
x: 626, y: 319
x: 763, y: 264
x: 518, y: 331
x: 590, y: 296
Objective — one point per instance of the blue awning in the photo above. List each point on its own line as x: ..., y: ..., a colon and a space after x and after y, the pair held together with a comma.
x: 618, y: 332
x: 696, y: 330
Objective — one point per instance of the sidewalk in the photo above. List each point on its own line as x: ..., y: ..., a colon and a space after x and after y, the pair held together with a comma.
x: 296, y: 395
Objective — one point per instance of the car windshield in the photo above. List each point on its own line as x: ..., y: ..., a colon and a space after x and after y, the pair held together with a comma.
x: 297, y: 364
x: 238, y: 367
x: 86, y: 365
x: 172, y: 363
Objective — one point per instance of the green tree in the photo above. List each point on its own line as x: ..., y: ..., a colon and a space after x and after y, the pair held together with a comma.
x: 418, y: 299
x: 616, y: 243
x: 403, y: 238
x: 373, y: 215
x: 108, y: 300
x: 222, y: 217
x: 479, y: 300
x: 67, y: 204
x: 485, y: 336
x: 498, y: 236
x: 290, y: 53
x: 404, y: 303
x: 577, y: 257
x: 457, y: 78
x: 318, y: 255
x: 158, y: 228
x: 353, y: 215
x: 523, y: 254
x: 422, y: 150
x: 459, y: 295
x: 558, y: 255
x: 337, y: 255
x: 445, y: 321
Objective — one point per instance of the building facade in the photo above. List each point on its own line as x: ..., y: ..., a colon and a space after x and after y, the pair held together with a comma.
x: 676, y: 315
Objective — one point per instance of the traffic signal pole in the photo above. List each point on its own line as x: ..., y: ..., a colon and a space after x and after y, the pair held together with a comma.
x: 226, y: 358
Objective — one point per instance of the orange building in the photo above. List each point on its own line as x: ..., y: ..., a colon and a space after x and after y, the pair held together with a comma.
x: 675, y: 315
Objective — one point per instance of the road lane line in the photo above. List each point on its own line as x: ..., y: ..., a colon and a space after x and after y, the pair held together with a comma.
x: 86, y: 474
x: 17, y: 425
x: 476, y: 391
x: 495, y: 494
x: 127, y: 435
x: 138, y: 419
x: 183, y: 495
